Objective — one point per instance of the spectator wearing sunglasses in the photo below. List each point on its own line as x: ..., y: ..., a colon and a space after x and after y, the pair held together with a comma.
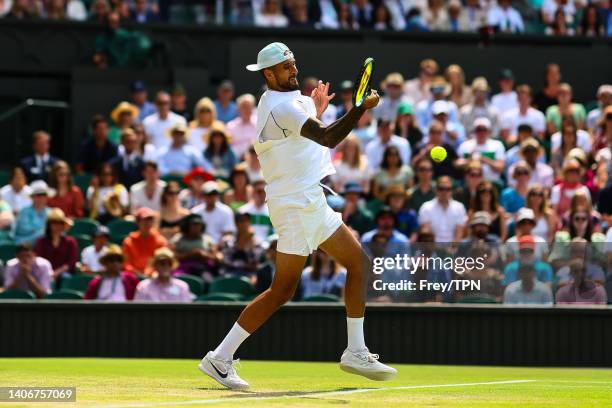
x: 473, y: 177
x: 486, y: 199
x: 423, y: 190
x: 513, y: 196
x: 158, y: 124
x: 562, y: 193
x: 446, y: 217
x: 545, y: 218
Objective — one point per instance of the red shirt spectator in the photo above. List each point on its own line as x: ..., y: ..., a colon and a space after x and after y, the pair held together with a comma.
x: 71, y: 203
x: 61, y: 250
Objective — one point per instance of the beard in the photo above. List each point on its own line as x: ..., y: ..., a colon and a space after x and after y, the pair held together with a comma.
x: 292, y: 84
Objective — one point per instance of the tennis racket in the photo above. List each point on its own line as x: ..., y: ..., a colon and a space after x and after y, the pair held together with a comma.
x: 362, y: 84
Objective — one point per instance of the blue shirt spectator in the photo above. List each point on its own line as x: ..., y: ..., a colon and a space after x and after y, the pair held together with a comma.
x: 226, y: 107
x: 543, y: 272
x: 511, y: 200
x: 31, y: 221
x: 179, y: 157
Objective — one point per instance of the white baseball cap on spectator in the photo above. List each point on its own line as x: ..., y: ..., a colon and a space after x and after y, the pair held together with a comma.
x: 525, y: 214
x: 439, y: 107
x: 210, y: 187
x: 39, y: 187
x: 482, y: 122
x: 606, y: 88
x: 270, y: 55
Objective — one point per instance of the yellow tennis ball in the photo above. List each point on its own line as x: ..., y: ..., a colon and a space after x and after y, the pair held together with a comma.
x: 438, y: 154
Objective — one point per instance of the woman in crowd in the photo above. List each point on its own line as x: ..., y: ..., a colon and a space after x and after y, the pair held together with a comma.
x: 578, y: 201
x: 205, y: 116
x: 382, y: 18
x: 591, y: 24
x: 195, y: 250
x: 172, y: 212
x: 564, y: 106
x: 58, y: 248
x: 351, y: 166
x: 545, y: 218
x: 406, y: 125
x: 603, y: 131
x: 323, y: 276
x: 486, y: 200
x: 547, y: 97
x: 241, y: 254
x: 107, y: 199
x: 562, y: 193
x: 162, y: 287
x: 459, y: 93
x: 17, y: 193
x: 569, y: 140
x: 473, y: 177
x: 392, y: 172
x: 146, y: 150
x: 194, y: 180
x: 219, y: 152
x: 513, y: 198
x: 559, y: 25
x: 67, y: 196
x: 241, y: 191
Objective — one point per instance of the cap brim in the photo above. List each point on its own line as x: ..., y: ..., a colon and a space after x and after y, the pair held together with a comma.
x: 253, y: 67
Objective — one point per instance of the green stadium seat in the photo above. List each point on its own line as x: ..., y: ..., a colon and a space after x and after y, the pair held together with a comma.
x: 65, y: 294
x: 83, y: 226
x: 77, y: 283
x: 196, y: 284
x: 17, y: 294
x: 7, y: 251
x: 83, y: 241
x: 5, y: 177
x: 82, y: 181
x: 325, y: 297
x: 174, y: 177
x: 228, y: 297
x: 241, y: 286
x: 121, y: 228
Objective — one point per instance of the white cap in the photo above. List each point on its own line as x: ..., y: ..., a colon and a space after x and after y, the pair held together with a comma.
x: 482, y: 122
x: 607, y: 88
x: 270, y: 55
x: 525, y: 214
x: 39, y: 187
x: 440, y: 106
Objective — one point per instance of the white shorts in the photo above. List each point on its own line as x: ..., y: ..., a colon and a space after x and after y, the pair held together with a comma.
x: 303, y: 221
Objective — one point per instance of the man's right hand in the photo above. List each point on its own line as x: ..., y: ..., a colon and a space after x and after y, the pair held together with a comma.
x: 371, y: 100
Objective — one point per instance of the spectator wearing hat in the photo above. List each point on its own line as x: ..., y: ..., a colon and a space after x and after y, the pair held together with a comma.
x: 107, y: 198
x: 219, y: 152
x: 424, y: 109
x: 346, y: 98
x: 162, y: 287
x: 513, y: 197
x: 507, y: 98
x: 505, y: 18
x: 353, y: 214
x: 541, y: 173
x: 562, y: 193
x: 179, y: 157
x: 406, y: 219
x: 172, y: 212
x: 140, y: 99
x: 527, y: 290
x: 479, y: 230
x: 513, y: 154
x: 604, y: 99
x: 352, y: 165
x: 194, y: 180
x: 57, y: 247
x: 204, y: 117
x: 418, y: 89
x: 479, y: 107
x: 258, y: 209
x: 28, y: 272
x: 406, y: 126
x: 490, y: 152
x: 423, y: 190
x: 31, y: 221
x: 446, y: 217
x: 17, y: 192
x: 124, y: 115
x: 140, y: 245
x: 394, y: 95
x: 524, y: 226
x: 523, y: 114
x: 178, y: 102
x: 243, y: 127
x: 195, y: 250
x: 218, y: 217
x: 393, y: 172
x: 454, y: 133
x: 129, y: 162
x: 97, y: 149
x: 565, y: 107
x: 385, y: 138
x: 67, y: 197
x: 148, y: 192
x: 242, y: 251
x: 226, y: 107
x: 386, y: 227
x: 38, y: 165
x: 112, y: 284
x: 90, y: 256
x: 582, y: 290
x: 158, y: 124
x: 435, y: 137
x: 527, y: 255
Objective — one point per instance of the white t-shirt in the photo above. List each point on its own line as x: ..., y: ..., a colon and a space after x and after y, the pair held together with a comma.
x: 555, y: 193
x: 541, y: 246
x: 443, y: 222
x: 504, y: 102
x: 17, y: 201
x: 290, y: 163
x: 345, y: 174
x: 218, y: 221
x: 376, y: 148
x: 583, y: 140
x: 139, y: 198
x: 196, y: 138
x: 157, y: 129
x: 91, y: 258
x: 493, y: 149
x: 124, y: 198
x: 533, y: 117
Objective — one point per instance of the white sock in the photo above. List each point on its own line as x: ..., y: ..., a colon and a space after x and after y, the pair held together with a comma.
x: 354, y: 326
x: 231, y: 342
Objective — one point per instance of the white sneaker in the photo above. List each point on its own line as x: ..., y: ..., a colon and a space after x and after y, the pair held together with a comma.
x: 222, y: 371
x: 364, y: 363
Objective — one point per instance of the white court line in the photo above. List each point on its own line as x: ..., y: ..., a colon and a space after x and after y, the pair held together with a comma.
x: 318, y: 394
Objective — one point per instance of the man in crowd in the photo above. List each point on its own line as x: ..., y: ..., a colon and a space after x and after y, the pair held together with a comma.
x: 385, y: 137
x: 242, y: 128
x: 525, y: 223
x: 443, y: 215
x: 423, y: 190
x: 128, y: 164
x: 90, y: 256
x: 140, y: 245
x: 527, y: 290
x: 454, y: 132
x: 506, y: 99
x: 353, y: 215
x: 97, y: 149
x: 346, y: 98
x: 148, y: 192
x: 541, y: 173
x: 28, y: 272
x: 439, y: 90
x: 158, y: 124
x: 258, y: 209
x: 417, y: 88
x: 225, y: 105
x: 178, y: 102
x: 435, y: 137
x: 387, y: 108
x: 38, y: 165
x: 490, y: 152
x: 523, y: 114
x: 604, y: 97
x: 140, y: 99
x: 527, y: 256
x: 480, y: 107
x: 581, y: 290
x: 218, y: 217
x: 180, y: 157
x: 480, y: 224
x: 112, y: 284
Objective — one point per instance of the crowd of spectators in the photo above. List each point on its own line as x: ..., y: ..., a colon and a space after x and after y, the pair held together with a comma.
x: 554, y: 17
x: 527, y: 184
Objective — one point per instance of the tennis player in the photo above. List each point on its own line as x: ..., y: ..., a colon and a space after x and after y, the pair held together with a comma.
x: 293, y: 149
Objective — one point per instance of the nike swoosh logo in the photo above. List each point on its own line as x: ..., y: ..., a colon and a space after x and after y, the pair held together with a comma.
x: 222, y: 375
